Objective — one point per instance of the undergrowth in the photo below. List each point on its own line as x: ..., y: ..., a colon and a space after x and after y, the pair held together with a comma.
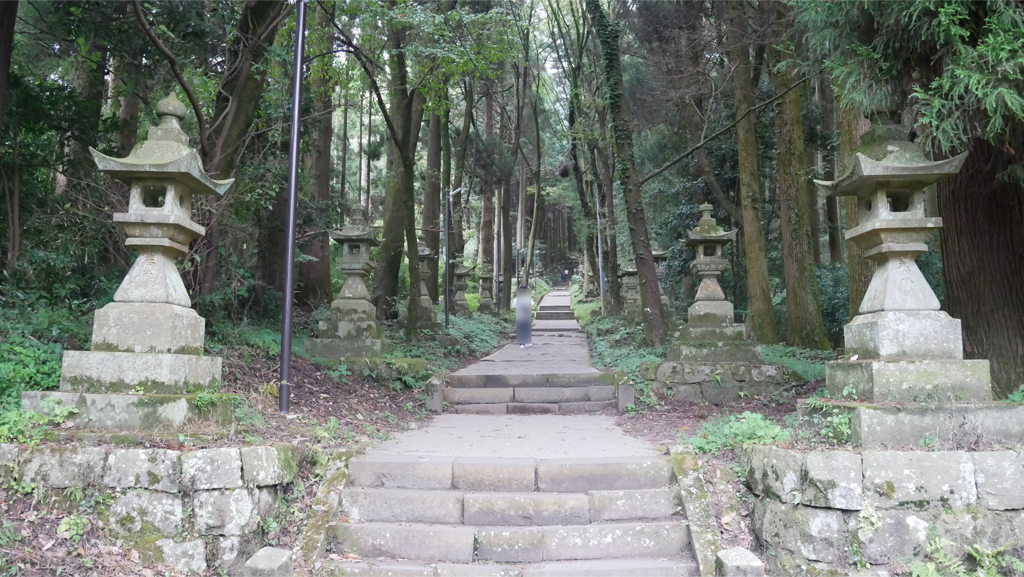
x: 731, y: 431
x: 808, y: 364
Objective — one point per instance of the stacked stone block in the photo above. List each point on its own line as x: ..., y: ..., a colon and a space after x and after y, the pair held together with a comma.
x: 711, y: 382
x: 228, y: 491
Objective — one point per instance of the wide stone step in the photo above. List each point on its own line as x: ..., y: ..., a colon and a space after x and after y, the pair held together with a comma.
x: 509, y: 475
x: 555, y: 316
x: 546, y: 308
x: 678, y: 567
x: 496, y: 395
x: 502, y: 381
x: 463, y: 544
x: 534, y: 408
x: 402, y: 506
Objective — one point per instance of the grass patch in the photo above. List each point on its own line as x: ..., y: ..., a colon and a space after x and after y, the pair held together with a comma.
x: 730, y: 431
x: 808, y: 364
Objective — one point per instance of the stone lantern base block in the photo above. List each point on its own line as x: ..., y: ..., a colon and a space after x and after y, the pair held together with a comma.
x: 968, y: 424
x: 710, y: 313
x: 148, y: 328
x: 897, y: 335
x: 928, y: 381
x: 697, y: 333
x: 351, y: 348
x: 353, y: 309
x: 134, y: 412
x: 110, y: 372
x: 485, y: 306
x: 715, y: 352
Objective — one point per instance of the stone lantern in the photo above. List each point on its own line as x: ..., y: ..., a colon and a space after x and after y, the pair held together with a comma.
x: 710, y: 317
x: 460, y: 306
x: 630, y: 286
x: 908, y: 367
x: 353, y: 331
x: 149, y: 340
x: 428, y: 320
x: 486, y: 304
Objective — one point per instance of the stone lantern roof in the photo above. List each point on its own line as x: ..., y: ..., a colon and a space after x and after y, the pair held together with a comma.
x: 164, y: 155
x: 356, y: 229
x: 708, y: 231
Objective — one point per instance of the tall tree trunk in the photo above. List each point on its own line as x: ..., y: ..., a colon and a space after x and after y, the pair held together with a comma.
x: 831, y: 168
x: 608, y: 33
x: 589, y: 216
x: 432, y: 201
x: 369, y: 141
x: 983, y: 256
x: 8, y: 16
x: 126, y: 84
x: 12, y: 198
x: 446, y: 188
x: 458, y: 215
x: 314, y: 286
x: 760, y: 318
x: 487, y: 191
x: 343, y: 184
x: 851, y: 127
x: 606, y: 192
x: 804, y: 325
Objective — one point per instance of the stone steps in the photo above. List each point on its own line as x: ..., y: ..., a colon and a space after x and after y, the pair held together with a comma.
x: 468, y: 516
x: 560, y: 308
x: 678, y: 567
x: 562, y: 380
x: 555, y: 315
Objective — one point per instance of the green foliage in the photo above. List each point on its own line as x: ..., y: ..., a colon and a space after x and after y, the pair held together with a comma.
x: 73, y: 527
x: 1016, y: 396
x: 480, y: 334
x: 834, y: 299
x: 830, y: 422
x: 979, y: 562
x: 808, y: 364
x: 30, y: 427
x: 729, y: 431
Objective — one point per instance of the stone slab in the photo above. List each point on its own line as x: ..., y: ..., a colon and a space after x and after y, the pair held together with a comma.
x: 419, y: 542
x: 615, y: 540
x: 148, y: 328
x: 61, y: 467
x: 110, y: 372
x: 601, y: 392
x: 585, y: 407
x: 376, y: 568
x: 900, y: 478
x: 499, y: 475
x: 155, y: 469
x: 532, y: 408
x: 705, y: 539
x: 269, y: 562
x: 135, y: 510
x: 510, y: 544
x: 833, y: 479
x: 519, y: 509
x: 738, y: 562
x: 875, y: 426
x: 711, y: 352
x: 695, y: 333
x: 584, y: 376
x: 397, y: 471
x: 518, y: 437
x: 168, y: 413
x: 551, y: 394
x: 1000, y: 479
x: 596, y: 474
x: 918, y: 381
x: 226, y: 512
x: 482, y: 409
x: 211, y: 469
x: 476, y: 570
x: 402, y: 506
x: 902, y: 335
x: 267, y: 466
x: 478, y: 396
x: 614, y: 568
x: 636, y: 504
x: 185, y: 556
x: 817, y: 534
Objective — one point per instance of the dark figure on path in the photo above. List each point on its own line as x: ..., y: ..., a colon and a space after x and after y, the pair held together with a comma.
x: 523, y: 303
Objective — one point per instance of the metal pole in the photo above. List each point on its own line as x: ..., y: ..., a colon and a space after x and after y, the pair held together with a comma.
x: 447, y: 256
x: 600, y: 255
x: 284, y: 392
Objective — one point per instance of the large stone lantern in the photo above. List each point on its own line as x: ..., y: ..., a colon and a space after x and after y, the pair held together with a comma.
x: 630, y: 286
x: 661, y: 262
x: 486, y: 304
x: 428, y: 320
x: 148, y: 341
x: 710, y: 317
x: 353, y: 331
x: 907, y: 362
x: 460, y: 306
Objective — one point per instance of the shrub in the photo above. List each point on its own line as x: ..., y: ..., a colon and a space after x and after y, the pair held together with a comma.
x: 728, y: 431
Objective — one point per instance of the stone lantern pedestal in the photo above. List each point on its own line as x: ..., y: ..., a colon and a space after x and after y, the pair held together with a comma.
x: 909, y: 369
x: 353, y: 331
x: 148, y: 342
x: 486, y: 304
x: 460, y: 306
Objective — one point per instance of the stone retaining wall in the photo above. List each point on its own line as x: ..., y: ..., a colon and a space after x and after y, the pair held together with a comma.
x: 194, y: 509
x: 714, y: 383
x: 832, y: 510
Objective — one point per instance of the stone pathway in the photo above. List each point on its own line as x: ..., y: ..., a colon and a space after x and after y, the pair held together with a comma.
x: 514, y: 495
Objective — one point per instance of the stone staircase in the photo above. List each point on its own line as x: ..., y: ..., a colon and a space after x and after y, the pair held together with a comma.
x: 555, y: 313
x: 435, y: 516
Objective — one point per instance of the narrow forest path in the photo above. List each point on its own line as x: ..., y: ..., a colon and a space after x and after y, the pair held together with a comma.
x: 508, y: 492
